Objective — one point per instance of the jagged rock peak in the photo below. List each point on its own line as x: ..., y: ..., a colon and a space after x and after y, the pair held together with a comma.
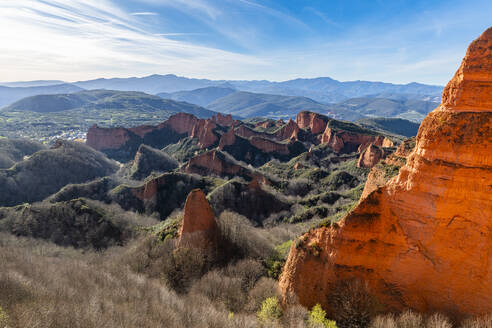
x: 471, y: 87
x: 199, y: 228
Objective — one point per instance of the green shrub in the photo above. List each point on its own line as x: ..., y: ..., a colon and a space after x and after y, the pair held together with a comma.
x: 317, y: 318
x: 270, y: 310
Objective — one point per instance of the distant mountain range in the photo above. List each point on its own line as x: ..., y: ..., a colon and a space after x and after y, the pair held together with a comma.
x: 38, y: 83
x: 323, y: 89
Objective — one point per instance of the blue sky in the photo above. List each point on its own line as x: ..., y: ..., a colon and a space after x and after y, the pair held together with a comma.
x: 393, y: 41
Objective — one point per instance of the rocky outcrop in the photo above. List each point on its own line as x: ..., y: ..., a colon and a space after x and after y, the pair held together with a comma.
x: 107, y: 138
x: 270, y: 146
x: 199, y: 228
x: 181, y: 123
x: 224, y: 120
x: 204, y: 132
x: 265, y: 124
x: 346, y: 141
x: 215, y: 162
x: 470, y: 89
x: 423, y: 240
x: 370, y: 156
x: 115, y: 138
x: 246, y: 132
x: 289, y: 131
x: 388, y: 167
x: 161, y: 194
x: 227, y: 139
x: 313, y: 121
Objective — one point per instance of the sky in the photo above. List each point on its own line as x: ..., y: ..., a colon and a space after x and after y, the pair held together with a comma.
x: 395, y: 41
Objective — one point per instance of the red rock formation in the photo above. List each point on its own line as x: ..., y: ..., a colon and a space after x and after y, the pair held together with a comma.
x: 216, y: 162
x: 254, y: 184
x: 181, y: 123
x: 314, y: 121
x: 199, y: 228
x: 227, y: 139
x: 386, y: 143
x: 345, y: 141
x: 204, y: 132
x: 370, y: 156
x: 388, y: 167
x: 224, y: 120
x: 470, y: 88
x: 298, y: 166
x: 269, y: 146
x: 288, y: 131
x: 265, y: 124
x: 424, y: 240
x: 107, y: 138
x: 142, y: 130
x: 245, y: 132
x: 114, y: 138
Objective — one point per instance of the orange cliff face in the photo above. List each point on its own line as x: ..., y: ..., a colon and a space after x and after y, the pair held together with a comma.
x: 107, y: 138
x: 388, y: 167
x: 269, y: 146
x: 215, y: 162
x: 370, y: 156
x: 181, y: 123
x: 199, y: 228
x: 288, y: 131
x: 424, y: 240
x: 204, y: 132
x: 224, y: 120
x: 314, y: 121
x: 344, y: 141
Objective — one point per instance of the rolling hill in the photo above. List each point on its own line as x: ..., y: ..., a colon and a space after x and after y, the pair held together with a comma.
x: 397, y: 126
x: 249, y: 104
x: 9, y: 95
x: 105, y: 100
x: 200, y: 97
x: 411, y: 109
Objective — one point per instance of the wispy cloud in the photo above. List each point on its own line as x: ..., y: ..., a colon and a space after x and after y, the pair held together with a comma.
x: 145, y: 13
x: 201, y: 6
x: 77, y: 39
x: 228, y: 39
x: 322, y: 15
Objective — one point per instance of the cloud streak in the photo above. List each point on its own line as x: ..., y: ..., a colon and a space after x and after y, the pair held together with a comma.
x: 145, y: 13
x: 75, y: 39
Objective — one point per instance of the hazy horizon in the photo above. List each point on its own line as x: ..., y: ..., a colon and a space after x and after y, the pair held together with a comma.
x: 204, y: 78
